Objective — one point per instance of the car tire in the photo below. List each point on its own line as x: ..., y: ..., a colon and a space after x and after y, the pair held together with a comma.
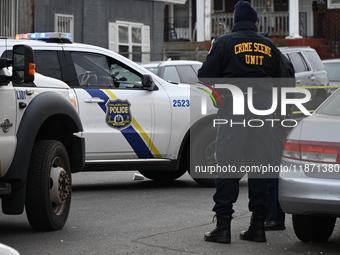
x: 48, y: 192
x: 309, y: 228
x: 202, y: 153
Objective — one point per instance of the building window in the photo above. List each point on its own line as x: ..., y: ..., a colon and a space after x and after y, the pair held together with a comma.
x: 131, y: 40
x: 64, y: 23
x: 334, y: 4
x: 8, y: 26
x: 219, y: 6
x: 263, y: 6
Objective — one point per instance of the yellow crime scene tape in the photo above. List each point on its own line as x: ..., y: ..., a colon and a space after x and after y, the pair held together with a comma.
x: 314, y: 87
x: 318, y: 87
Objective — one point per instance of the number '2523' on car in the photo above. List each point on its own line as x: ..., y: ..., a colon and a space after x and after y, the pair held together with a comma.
x: 310, y: 173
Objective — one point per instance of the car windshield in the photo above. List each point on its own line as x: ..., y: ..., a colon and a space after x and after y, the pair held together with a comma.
x: 153, y: 69
x: 332, y: 105
x: 333, y: 71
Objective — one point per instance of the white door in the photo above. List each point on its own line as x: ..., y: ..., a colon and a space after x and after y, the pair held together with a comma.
x: 7, y: 126
x: 306, y: 18
x: 117, y: 113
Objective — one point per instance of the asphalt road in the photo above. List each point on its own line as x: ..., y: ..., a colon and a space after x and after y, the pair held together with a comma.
x: 113, y: 214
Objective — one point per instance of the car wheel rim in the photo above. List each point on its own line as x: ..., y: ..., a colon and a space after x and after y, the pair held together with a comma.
x: 209, y: 154
x: 60, y: 186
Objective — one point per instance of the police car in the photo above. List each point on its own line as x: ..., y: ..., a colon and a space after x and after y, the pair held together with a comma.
x: 132, y: 119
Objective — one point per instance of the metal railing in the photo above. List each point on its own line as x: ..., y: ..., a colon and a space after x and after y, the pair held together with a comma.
x: 333, y: 37
x: 276, y: 23
x: 177, y: 29
x: 8, y: 22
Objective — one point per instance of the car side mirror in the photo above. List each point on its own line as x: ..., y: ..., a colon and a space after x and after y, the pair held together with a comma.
x: 148, y: 82
x: 23, y: 64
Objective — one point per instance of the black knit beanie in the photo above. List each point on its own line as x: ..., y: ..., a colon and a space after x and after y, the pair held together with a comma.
x: 244, y: 11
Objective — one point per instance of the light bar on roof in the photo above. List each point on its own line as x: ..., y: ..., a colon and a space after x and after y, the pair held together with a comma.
x: 42, y: 36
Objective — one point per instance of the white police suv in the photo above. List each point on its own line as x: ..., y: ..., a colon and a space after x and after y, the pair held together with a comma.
x: 132, y: 119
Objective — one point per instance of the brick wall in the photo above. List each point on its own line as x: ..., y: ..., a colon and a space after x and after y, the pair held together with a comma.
x: 326, y: 21
x: 327, y: 25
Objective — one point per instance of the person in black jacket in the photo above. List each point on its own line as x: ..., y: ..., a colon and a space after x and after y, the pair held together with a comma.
x: 245, y: 59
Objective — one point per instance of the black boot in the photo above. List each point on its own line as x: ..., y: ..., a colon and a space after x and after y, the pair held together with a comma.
x: 255, y: 231
x: 221, y: 234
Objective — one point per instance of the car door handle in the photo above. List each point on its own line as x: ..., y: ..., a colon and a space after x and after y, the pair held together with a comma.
x: 298, y: 81
x: 312, y: 78
x: 94, y: 100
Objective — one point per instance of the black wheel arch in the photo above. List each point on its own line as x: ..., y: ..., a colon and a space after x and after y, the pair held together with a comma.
x: 203, y: 122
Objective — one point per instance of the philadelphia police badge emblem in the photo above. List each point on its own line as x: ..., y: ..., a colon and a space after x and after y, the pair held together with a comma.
x: 118, y: 113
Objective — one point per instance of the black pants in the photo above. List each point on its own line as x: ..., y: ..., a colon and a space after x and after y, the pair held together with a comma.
x: 235, y: 141
x: 275, y: 212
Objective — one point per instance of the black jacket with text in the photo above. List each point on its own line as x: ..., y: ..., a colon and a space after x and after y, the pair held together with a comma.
x: 243, y: 58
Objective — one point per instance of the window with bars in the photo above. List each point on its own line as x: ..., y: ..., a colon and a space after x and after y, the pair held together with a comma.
x: 8, y: 26
x: 64, y: 23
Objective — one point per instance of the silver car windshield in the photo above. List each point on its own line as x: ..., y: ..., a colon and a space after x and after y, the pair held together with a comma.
x: 333, y: 71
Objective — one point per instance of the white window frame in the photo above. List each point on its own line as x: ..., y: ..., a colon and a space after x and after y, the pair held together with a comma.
x: 68, y: 19
x: 333, y: 4
x: 8, y: 22
x: 145, y: 38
